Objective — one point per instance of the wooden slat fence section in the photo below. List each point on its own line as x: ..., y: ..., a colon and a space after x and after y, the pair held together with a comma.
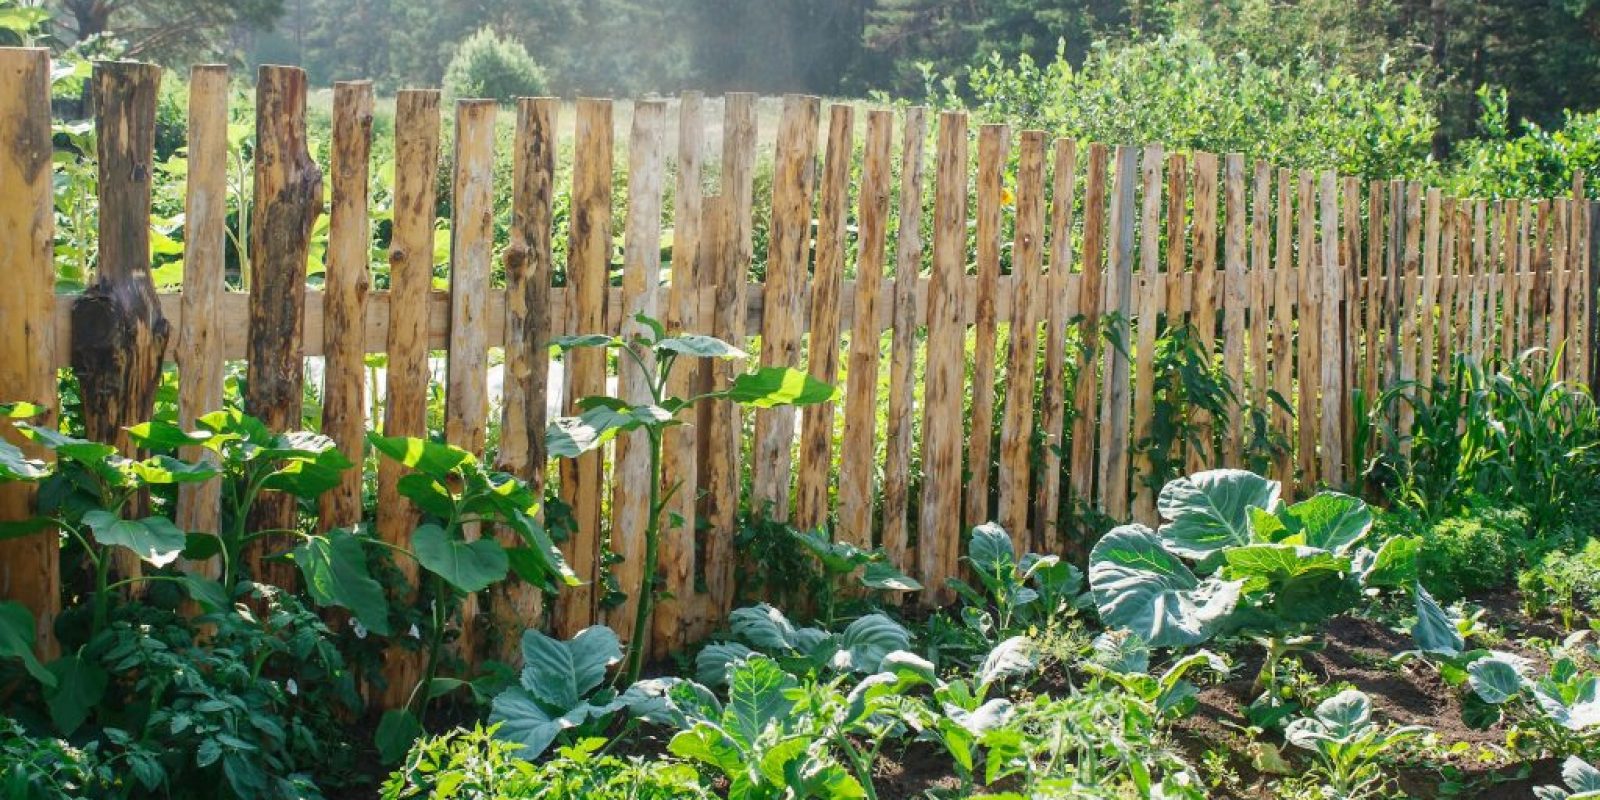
x: 1314, y: 288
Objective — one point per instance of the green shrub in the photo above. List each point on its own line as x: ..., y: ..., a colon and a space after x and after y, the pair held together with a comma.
x: 488, y: 66
x: 1563, y: 581
x: 1473, y: 552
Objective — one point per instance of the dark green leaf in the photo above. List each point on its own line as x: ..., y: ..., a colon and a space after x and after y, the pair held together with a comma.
x: 16, y: 640
x: 335, y: 570
x: 398, y: 729
x: 154, y: 539
x: 468, y: 566
x: 770, y: 387
x: 429, y: 458
x: 80, y: 685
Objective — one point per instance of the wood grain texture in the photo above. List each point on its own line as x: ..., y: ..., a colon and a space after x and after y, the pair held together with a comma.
x: 1409, y: 283
x: 994, y: 148
x: 1203, y: 301
x: 939, y: 531
x: 1372, y: 319
x: 1350, y: 334
x: 514, y: 604
x: 1283, y: 302
x: 680, y: 463
x: 1427, y: 313
x: 725, y: 263
x: 1117, y: 400
x: 899, y: 425
x: 793, y: 184
x: 200, y: 376
x: 1307, y: 337
x: 119, y: 332
x: 466, y: 405
x: 588, y: 268
x: 1260, y: 285
x: 1060, y: 306
x: 827, y: 285
x: 345, y: 285
x: 1149, y: 298
x: 1091, y: 298
x: 1027, y: 257
x: 287, y: 202
x: 29, y: 565
x: 1331, y: 359
x: 641, y: 282
x: 1235, y: 298
x: 857, y: 473
x: 405, y: 407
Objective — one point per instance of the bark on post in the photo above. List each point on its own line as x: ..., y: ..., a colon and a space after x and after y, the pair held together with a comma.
x: 118, y: 332
x: 29, y: 571
x: 288, y: 198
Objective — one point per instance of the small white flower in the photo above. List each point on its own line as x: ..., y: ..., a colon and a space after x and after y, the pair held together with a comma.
x: 415, y: 632
x: 292, y: 687
x: 361, y: 630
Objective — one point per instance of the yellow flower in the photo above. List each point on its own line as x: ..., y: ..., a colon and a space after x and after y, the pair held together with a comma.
x: 1006, y: 196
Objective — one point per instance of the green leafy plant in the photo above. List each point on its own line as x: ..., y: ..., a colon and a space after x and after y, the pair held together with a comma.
x: 1347, y: 745
x: 1559, y: 713
x: 861, y: 647
x: 963, y: 719
x: 841, y: 560
x: 1035, y: 592
x: 1582, y: 782
x: 44, y: 768
x: 456, y: 492
x: 557, y: 688
x: 653, y: 353
x: 471, y: 764
x: 1271, y: 569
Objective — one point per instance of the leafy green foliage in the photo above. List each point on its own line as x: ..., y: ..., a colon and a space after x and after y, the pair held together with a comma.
x: 1347, y: 744
x: 1581, y: 779
x: 1560, y: 712
x: 554, y: 688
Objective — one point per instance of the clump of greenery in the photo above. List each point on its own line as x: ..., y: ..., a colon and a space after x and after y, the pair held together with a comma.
x: 1566, y: 582
x: 474, y: 763
x: 488, y: 66
x: 1467, y: 554
x: 45, y: 768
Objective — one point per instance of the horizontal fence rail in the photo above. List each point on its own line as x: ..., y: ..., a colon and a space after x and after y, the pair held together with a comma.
x: 1009, y: 350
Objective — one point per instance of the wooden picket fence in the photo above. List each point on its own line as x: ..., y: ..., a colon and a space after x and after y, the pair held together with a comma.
x: 1307, y: 284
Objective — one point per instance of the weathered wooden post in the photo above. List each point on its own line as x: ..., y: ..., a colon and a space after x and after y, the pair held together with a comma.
x: 28, y: 565
x: 288, y: 198
x: 119, y: 335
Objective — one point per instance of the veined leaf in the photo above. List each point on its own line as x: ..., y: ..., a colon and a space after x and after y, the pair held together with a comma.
x: 468, y: 566
x: 1209, y: 511
x: 1140, y: 586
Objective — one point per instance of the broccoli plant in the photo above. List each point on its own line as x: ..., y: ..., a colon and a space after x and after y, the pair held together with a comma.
x: 1231, y: 556
x: 601, y: 418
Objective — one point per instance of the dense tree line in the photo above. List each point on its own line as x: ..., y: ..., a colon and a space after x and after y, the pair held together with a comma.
x: 1545, y: 53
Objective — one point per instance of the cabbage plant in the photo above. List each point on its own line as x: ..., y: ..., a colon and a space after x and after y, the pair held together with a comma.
x: 1231, y: 556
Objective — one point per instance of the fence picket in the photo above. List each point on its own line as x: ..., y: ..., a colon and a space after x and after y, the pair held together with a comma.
x: 1116, y: 405
x: 1331, y: 359
x: 1283, y: 301
x: 1061, y: 306
x: 1307, y: 337
x: 939, y: 523
x: 524, y: 408
x: 902, y: 353
x: 344, y: 308
x: 827, y: 286
x: 1151, y: 294
x: 1027, y: 255
x: 641, y: 280
x: 1085, y: 394
x: 994, y: 146
x: 588, y: 267
x: 1235, y: 297
x: 288, y: 199
x: 200, y: 376
x: 793, y: 183
x: 29, y: 565
x: 1203, y: 297
x: 856, y: 473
